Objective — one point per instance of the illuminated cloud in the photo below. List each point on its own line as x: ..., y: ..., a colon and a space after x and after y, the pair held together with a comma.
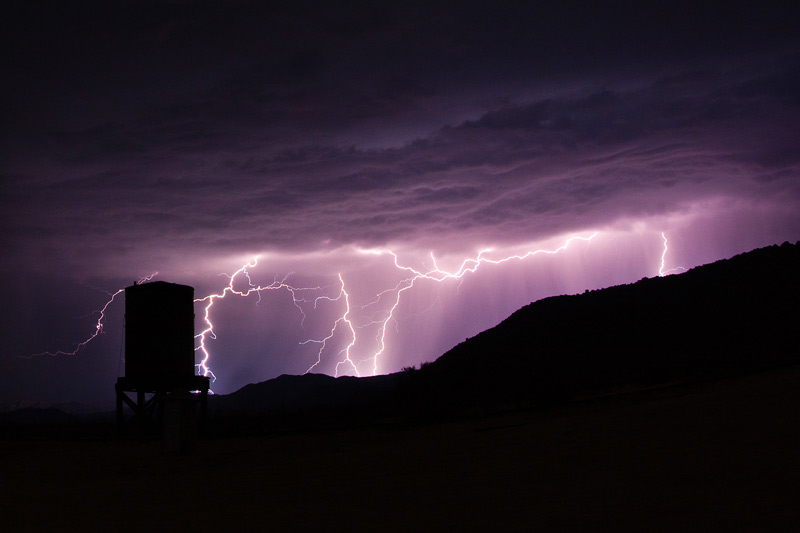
x: 189, y: 141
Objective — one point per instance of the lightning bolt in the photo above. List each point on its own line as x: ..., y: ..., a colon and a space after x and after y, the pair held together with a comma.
x: 394, y: 294
x: 663, y: 271
x: 251, y: 288
x: 346, y: 335
x: 344, y: 319
x: 98, y: 327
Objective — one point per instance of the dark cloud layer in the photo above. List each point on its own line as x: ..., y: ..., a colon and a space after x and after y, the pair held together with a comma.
x: 136, y: 134
x: 709, y: 131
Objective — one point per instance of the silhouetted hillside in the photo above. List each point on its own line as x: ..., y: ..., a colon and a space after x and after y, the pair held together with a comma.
x: 36, y: 416
x: 719, y: 456
x: 310, y: 393
x: 731, y: 317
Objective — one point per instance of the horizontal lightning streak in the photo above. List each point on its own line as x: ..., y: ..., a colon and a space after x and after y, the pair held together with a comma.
x: 436, y: 274
x: 98, y: 327
x: 385, y: 303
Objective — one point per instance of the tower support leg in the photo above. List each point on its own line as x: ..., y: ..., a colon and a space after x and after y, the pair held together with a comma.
x: 120, y: 399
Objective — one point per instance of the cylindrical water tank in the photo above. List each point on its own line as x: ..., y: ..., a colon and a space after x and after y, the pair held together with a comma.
x: 159, y: 335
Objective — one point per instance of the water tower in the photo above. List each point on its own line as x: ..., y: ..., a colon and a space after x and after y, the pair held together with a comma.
x: 159, y: 349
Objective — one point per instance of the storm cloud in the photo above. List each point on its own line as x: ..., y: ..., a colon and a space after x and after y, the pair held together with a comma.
x: 139, y: 136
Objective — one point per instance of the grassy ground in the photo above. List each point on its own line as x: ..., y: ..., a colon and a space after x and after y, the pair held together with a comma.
x: 721, y: 455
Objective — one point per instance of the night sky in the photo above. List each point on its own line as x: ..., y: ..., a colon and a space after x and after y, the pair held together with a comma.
x: 186, y: 138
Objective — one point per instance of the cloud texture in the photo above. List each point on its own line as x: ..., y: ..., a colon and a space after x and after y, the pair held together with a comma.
x: 184, y: 137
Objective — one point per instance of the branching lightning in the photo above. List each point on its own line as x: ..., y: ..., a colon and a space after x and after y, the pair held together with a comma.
x: 394, y: 294
x: 344, y: 338
x: 251, y: 288
x: 348, y: 324
x: 98, y: 327
x: 663, y: 271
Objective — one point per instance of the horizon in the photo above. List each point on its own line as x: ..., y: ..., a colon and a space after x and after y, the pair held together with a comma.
x: 349, y: 149
x: 91, y: 407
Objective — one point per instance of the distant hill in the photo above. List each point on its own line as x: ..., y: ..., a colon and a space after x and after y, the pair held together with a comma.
x: 731, y: 317
x: 73, y: 408
x: 307, y: 394
x: 36, y: 416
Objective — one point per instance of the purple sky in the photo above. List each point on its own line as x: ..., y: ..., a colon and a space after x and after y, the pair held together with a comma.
x: 187, y: 137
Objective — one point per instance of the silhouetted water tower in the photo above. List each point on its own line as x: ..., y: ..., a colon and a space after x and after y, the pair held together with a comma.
x: 159, y: 348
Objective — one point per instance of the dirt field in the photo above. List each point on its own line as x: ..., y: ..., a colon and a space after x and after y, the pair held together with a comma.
x: 721, y: 455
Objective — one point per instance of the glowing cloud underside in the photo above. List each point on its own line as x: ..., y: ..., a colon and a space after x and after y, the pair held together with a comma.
x: 382, y: 307
x: 343, y: 341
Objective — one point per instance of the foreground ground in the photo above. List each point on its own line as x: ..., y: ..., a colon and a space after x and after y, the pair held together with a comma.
x: 720, y: 455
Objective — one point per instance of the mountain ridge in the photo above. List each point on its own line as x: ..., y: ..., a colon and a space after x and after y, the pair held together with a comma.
x: 729, y: 317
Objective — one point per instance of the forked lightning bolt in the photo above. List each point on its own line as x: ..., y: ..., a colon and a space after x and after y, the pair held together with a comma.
x: 344, y: 334
x: 98, y: 327
x: 250, y: 288
x: 663, y: 271
x: 436, y: 274
x: 344, y: 319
